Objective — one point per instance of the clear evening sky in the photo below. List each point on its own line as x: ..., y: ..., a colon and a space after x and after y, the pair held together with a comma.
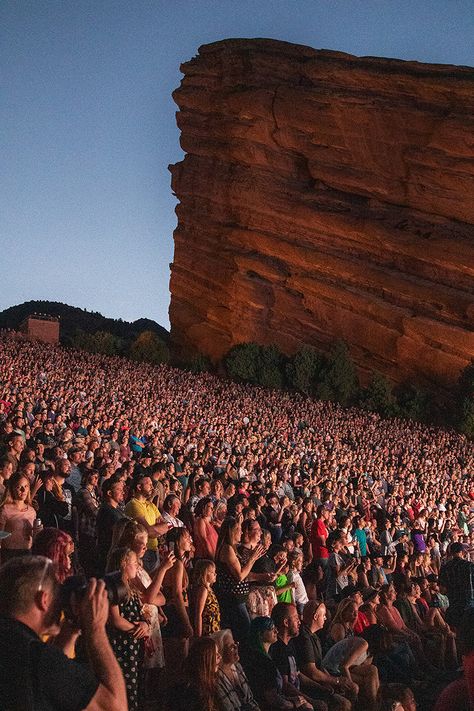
x: 87, y: 125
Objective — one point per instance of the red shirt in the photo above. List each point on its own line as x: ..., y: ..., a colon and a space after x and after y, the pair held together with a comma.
x: 319, y: 529
x: 361, y: 623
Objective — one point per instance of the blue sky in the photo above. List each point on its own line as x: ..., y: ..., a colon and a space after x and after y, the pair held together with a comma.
x: 88, y: 125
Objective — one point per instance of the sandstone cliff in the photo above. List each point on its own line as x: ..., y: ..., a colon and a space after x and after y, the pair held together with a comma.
x: 324, y: 195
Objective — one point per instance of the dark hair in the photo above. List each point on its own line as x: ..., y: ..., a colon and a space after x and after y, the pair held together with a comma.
x: 378, y: 638
x: 227, y: 525
x: 175, y: 534
x: 258, y: 626
x: 107, y: 485
x: 4, y: 460
x: 12, y: 437
x: 86, y: 475
x: 247, y: 524
x: 280, y: 613
x: 334, y: 537
x: 20, y: 578
x: 159, y: 467
x: 201, y: 506
x: 199, y: 483
x: 274, y: 549
x: 47, y: 473
x: 138, y: 480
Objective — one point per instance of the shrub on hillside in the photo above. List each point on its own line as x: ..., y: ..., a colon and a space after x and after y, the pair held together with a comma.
x: 270, y: 367
x: 338, y: 380
x: 304, y: 370
x: 378, y: 397
x: 148, y: 348
x: 241, y: 362
x: 98, y: 342
x: 200, y: 364
x: 412, y: 402
x: 464, y: 402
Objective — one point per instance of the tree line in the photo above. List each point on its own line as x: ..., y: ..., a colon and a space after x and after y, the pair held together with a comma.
x: 329, y: 376
x: 333, y: 376
x: 325, y: 376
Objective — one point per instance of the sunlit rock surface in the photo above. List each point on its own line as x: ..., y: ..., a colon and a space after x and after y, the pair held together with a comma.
x: 324, y: 195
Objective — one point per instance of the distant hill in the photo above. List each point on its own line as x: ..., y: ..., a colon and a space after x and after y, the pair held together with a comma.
x: 73, y: 319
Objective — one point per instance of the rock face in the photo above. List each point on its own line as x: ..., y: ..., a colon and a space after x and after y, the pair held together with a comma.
x: 324, y: 195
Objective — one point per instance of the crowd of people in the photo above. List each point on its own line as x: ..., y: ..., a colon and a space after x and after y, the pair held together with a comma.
x: 262, y: 550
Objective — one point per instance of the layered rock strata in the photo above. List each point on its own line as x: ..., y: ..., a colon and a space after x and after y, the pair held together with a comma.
x: 322, y: 196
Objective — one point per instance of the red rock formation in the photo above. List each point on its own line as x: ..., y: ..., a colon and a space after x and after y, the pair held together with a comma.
x: 324, y: 195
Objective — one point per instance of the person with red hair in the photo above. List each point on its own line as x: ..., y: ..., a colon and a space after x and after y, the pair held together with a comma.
x: 58, y: 546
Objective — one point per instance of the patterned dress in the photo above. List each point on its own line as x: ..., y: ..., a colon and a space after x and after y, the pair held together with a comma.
x: 128, y: 650
x: 211, y: 615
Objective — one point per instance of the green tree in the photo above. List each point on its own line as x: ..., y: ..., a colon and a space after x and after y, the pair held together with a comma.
x: 466, y: 381
x: 107, y: 343
x: 242, y: 362
x: 466, y: 417
x: 324, y: 392
x: 98, y: 342
x: 412, y: 403
x: 339, y: 376
x: 148, y: 347
x: 378, y: 397
x: 464, y: 402
x: 200, y: 364
x: 270, y: 367
x: 83, y: 341
x: 304, y: 369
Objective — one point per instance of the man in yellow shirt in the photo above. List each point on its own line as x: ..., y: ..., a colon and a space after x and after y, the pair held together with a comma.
x: 141, y: 509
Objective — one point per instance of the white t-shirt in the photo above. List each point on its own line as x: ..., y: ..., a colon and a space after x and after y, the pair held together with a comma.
x: 299, y: 593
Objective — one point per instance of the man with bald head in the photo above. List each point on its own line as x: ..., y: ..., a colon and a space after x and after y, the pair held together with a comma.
x: 307, y: 646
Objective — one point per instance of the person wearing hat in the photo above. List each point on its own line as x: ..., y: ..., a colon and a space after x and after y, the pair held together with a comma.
x: 456, y: 580
x: 143, y: 467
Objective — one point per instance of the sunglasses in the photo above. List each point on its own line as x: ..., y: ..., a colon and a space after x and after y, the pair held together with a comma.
x: 47, y: 563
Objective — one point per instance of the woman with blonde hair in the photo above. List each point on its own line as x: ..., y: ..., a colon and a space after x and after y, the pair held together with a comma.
x: 135, y: 536
x: 206, y: 614
x: 17, y: 517
x: 128, y: 628
x: 149, y: 588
